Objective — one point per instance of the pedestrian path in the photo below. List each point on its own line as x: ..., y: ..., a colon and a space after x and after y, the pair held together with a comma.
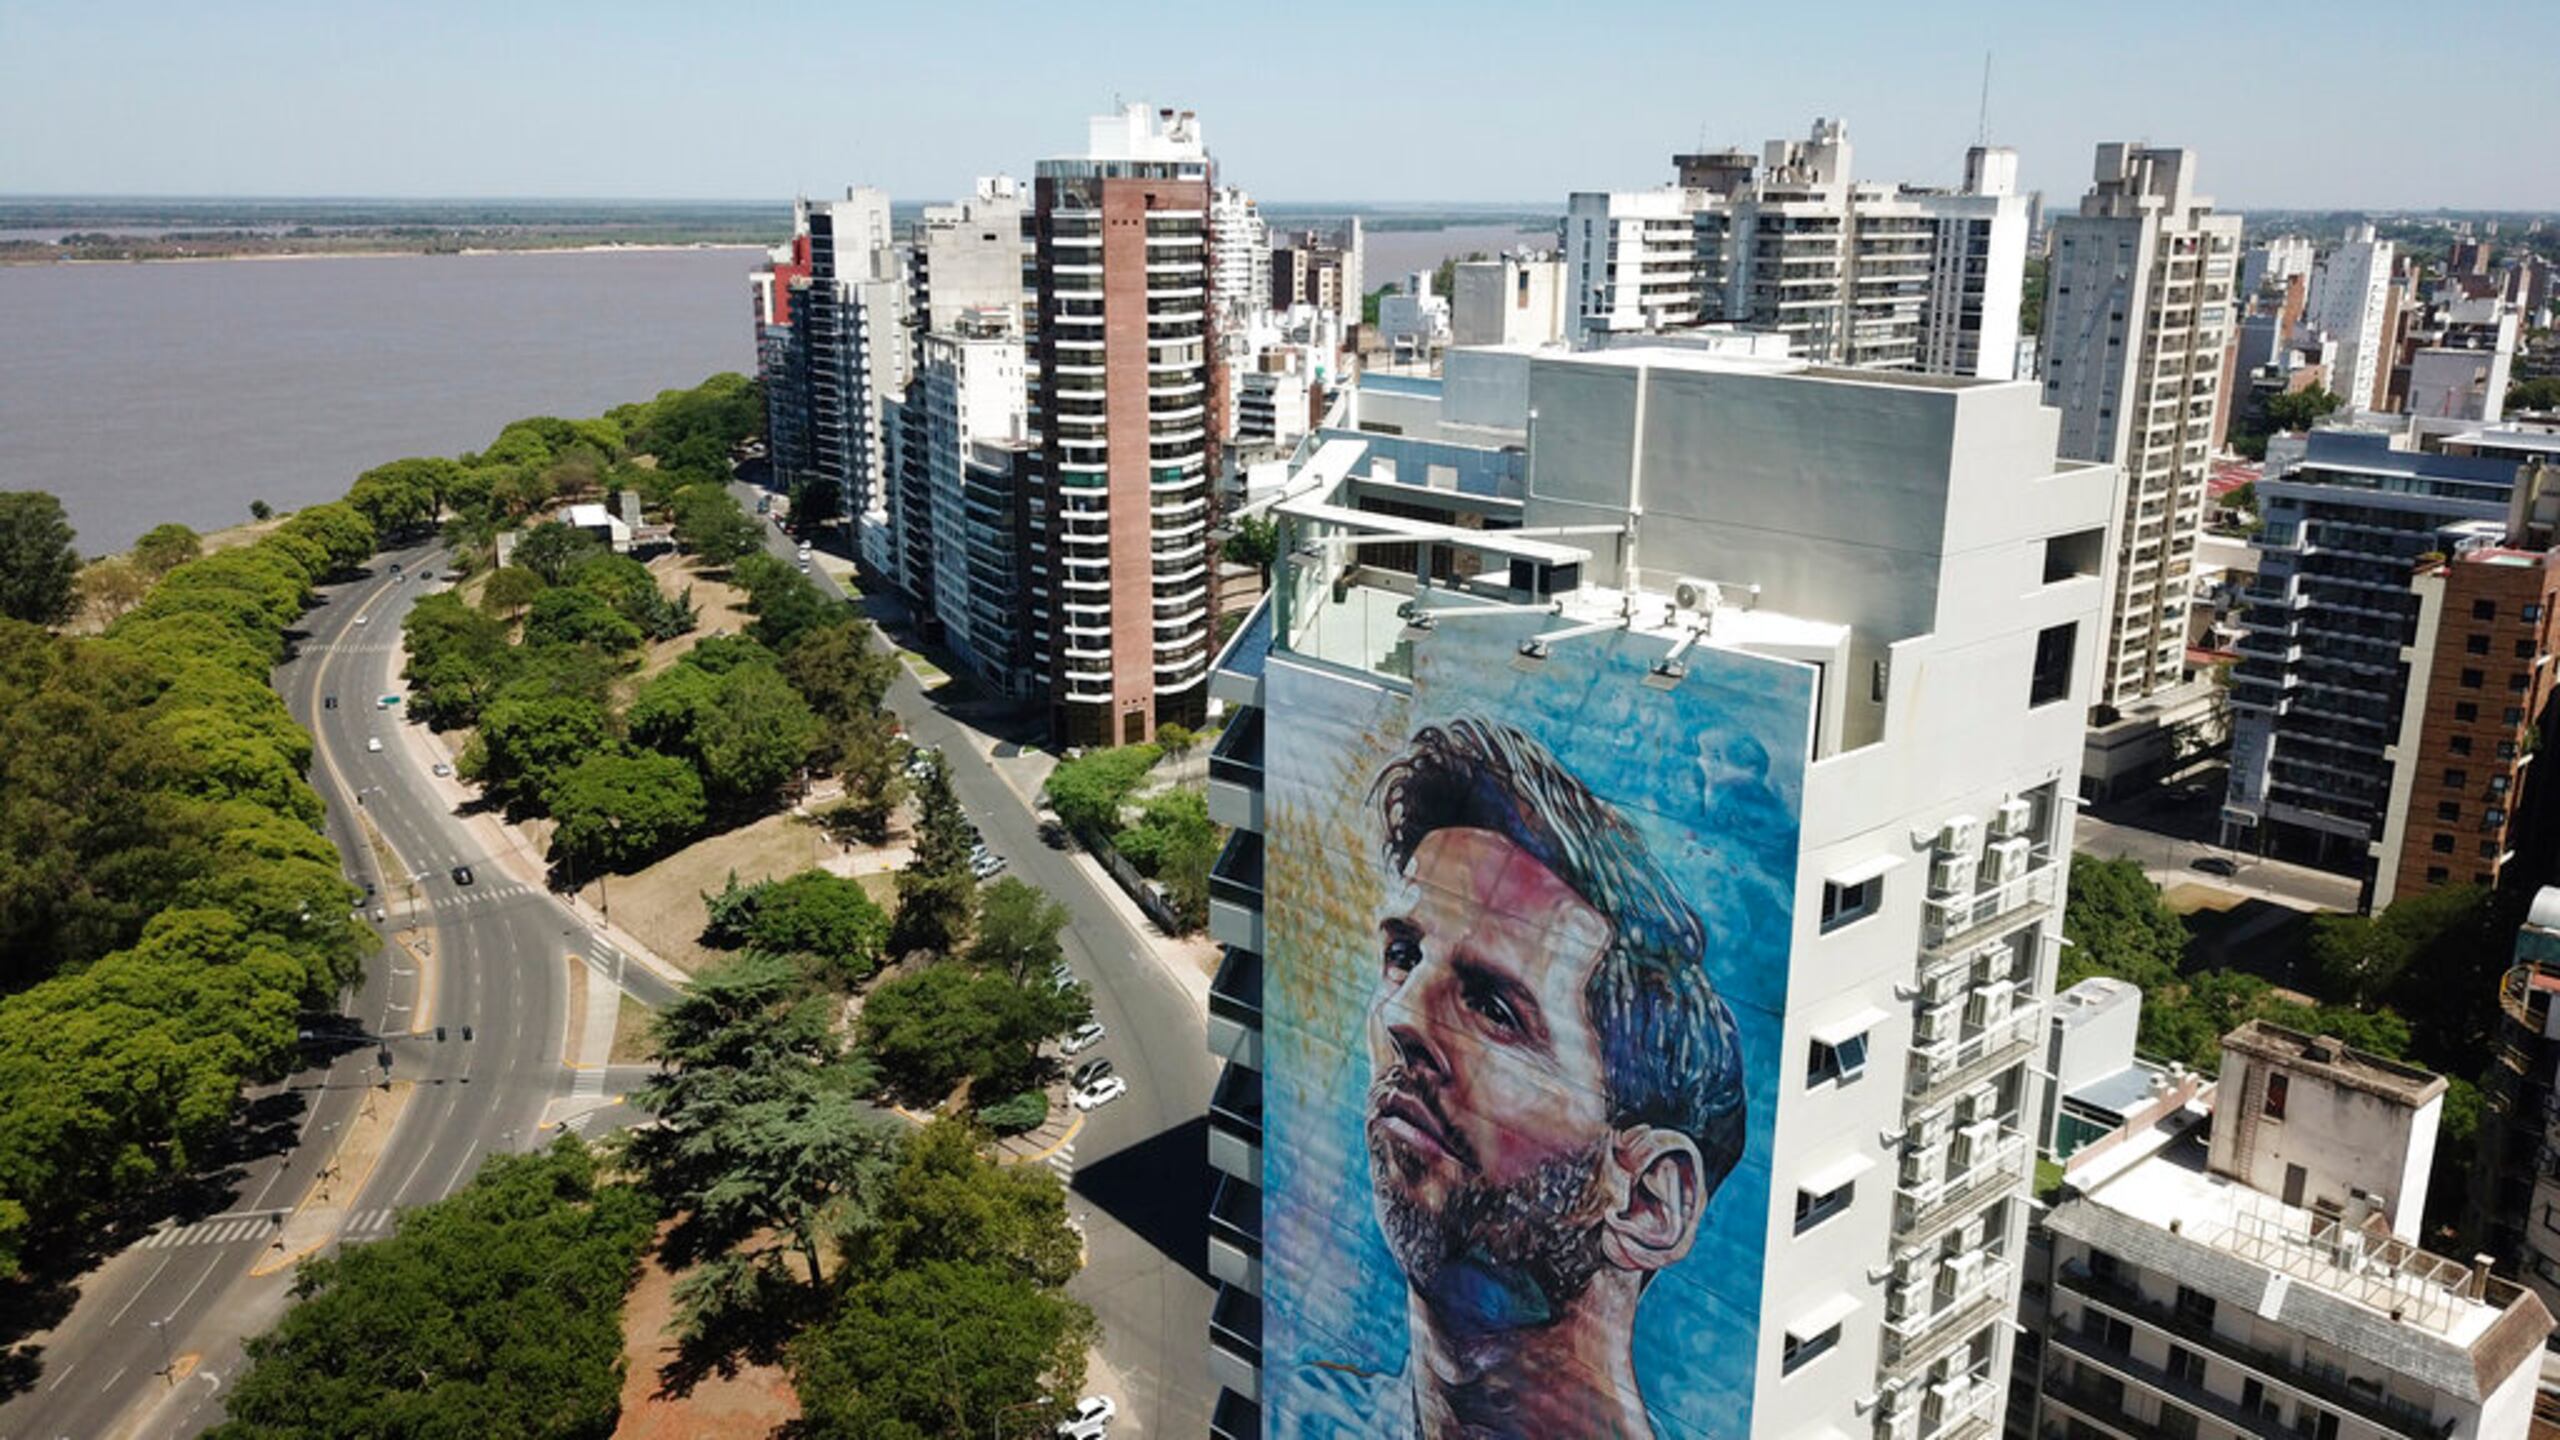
x: 481, y: 896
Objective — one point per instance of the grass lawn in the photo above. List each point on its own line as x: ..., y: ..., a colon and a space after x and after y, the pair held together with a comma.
x: 662, y: 905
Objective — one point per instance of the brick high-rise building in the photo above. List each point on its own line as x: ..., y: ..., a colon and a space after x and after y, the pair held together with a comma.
x: 1121, y: 581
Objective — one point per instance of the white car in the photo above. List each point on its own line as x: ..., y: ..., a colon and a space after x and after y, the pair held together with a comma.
x: 985, y: 866
x: 1082, y: 1038
x: 1101, y: 1092
x: 373, y: 743
x: 442, y: 768
x: 364, y: 620
x: 1090, y: 1420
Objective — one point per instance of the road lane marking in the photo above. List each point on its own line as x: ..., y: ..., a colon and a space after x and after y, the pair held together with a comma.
x: 138, y: 1292
x: 65, y: 1375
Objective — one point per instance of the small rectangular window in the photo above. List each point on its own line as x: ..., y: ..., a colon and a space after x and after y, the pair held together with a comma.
x: 2194, y: 1304
x: 2484, y: 609
x: 2524, y: 649
x: 2465, y: 710
x: 1836, y: 1063
x: 2512, y: 715
x: 2051, y: 680
x: 2456, y: 778
x: 2532, y: 611
x: 1813, y: 1209
x: 2437, y: 874
x: 2442, y: 844
x: 2277, y: 1085
x: 2079, y: 553
x: 1853, y: 900
x: 2473, y: 679
x: 2448, y: 810
x: 1802, y: 1349
x: 2458, y: 744
x: 2475, y: 645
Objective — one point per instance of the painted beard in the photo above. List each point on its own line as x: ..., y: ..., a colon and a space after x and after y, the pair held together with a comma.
x: 1496, y: 1256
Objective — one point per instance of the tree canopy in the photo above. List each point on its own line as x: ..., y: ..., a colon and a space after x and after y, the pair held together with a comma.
x: 495, y: 1311
x: 164, y: 548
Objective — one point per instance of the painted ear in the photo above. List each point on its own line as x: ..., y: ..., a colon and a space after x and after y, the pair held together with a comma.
x: 1656, y: 1199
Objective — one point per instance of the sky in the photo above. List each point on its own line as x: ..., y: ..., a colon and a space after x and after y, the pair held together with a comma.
x: 1491, y: 101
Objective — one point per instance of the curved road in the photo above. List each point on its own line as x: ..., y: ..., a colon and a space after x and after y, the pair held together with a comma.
x: 156, y: 1333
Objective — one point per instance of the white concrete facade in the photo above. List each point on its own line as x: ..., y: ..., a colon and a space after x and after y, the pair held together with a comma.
x: 1630, y: 258
x: 1915, y: 540
x: 2138, y: 308
x: 2349, y: 294
x: 1512, y: 300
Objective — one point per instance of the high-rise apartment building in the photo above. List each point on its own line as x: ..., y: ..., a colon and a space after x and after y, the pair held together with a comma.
x: 2270, y: 263
x: 970, y: 392
x: 782, y: 354
x: 2351, y: 300
x: 1861, y: 274
x: 1125, y: 405
x: 1239, y: 253
x: 2379, y: 701
x: 1512, y: 300
x: 855, y: 325
x: 969, y: 256
x: 2137, y: 314
x: 1645, y: 887
x: 2514, y: 1196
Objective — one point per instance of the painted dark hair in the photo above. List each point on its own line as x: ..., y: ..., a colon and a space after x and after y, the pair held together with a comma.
x: 1668, y: 1042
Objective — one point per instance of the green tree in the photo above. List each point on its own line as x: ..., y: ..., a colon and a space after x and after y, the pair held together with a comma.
x: 841, y: 670
x: 709, y: 524
x: 931, y: 1028
x: 2031, y: 296
x: 764, y: 1148
x: 756, y: 736
x: 829, y: 918
x: 1256, y: 542
x: 864, y: 749
x: 164, y: 548
x: 786, y: 605
x: 261, y: 510
x: 2118, y: 924
x: 951, y: 1348
x: 1017, y: 931
x: 1175, y: 842
x: 563, y: 615
x: 37, y: 563
x: 935, y: 887
x: 510, y: 589
x: 2301, y: 409
x: 2539, y: 393
x: 551, y: 550
x: 496, y: 1311
x: 618, y: 811
x: 946, y: 1200
x: 458, y: 659
x: 1089, y: 791
x: 2362, y: 958
x: 524, y: 745
x: 110, y: 587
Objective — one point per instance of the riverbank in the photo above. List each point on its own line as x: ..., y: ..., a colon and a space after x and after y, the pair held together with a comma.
x: 592, y: 248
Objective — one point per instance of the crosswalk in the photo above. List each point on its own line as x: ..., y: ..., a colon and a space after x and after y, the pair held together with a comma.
x: 480, y: 895
x: 1063, y: 1164
x: 263, y: 1226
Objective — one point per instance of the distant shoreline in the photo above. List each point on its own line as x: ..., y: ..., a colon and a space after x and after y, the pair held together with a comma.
x: 590, y: 249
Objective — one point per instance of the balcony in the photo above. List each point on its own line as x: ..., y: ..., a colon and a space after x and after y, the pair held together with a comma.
x: 2330, y: 1388
x: 1235, y: 774
x: 1235, y: 1342
x: 1235, y: 1234
x: 1235, y: 1009
x: 1235, y: 892
x: 1961, y: 922
x: 1236, y: 1418
x: 1911, y: 1343
x: 1924, y: 1211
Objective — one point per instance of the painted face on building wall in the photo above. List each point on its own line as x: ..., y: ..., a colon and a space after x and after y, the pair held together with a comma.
x: 1555, y: 1087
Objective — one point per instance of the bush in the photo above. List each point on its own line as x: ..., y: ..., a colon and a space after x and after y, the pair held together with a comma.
x: 1026, y: 1111
x: 1087, y: 792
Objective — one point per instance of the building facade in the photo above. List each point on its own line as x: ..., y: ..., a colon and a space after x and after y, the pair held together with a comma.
x: 1125, y: 402
x: 855, y: 324
x: 1853, y: 776
x: 1513, y: 300
x: 2137, y: 315
x: 1631, y: 258
x: 2351, y: 296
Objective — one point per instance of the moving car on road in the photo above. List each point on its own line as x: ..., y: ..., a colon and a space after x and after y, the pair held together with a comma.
x: 461, y: 874
x: 373, y: 743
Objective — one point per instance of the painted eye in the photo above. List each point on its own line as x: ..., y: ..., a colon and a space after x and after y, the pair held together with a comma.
x: 1402, y: 953
x: 1488, y: 1002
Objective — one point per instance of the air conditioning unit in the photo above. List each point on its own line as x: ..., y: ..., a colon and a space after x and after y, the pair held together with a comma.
x: 1963, y: 1270
x: 1991, y: 1002
x: 1931, y: 1129
x: 1907, y: 1300
x: 1934, y: 1024
x: 1943, y: 986
x: 2012, y: 818
x: 1903, y: 1424
x: 1975, y: 1143
x: 2004, y: 861
x: 1961, y: 835
x: 1695, y: 596
x: 1925, y: 1165
x: 1951, y: 875
x: 1982, y: 1102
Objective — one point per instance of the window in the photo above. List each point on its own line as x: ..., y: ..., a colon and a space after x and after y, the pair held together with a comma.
x: 1802, y: 1349
x: 2177, y: 1422
x: 1840, y: 1061
x: 2186, y: 1365
x: 2532, y: 611
x: 2442, y: 844
x: 2465, y: 710
x: 2488, y: 849
x: 2075, y: 554
x: 2458, y: 744
x: 2448, y: 810
x: 2518, y: 681
x: 2476, y: 645
x: 2524, y: 649
x: 2277, y: 1085
x: 2194, y: 1304
x: 2512, y: 715
x: 2052, y: 678
x: 1812, y: 1209
x: 1846, y: 900
x: 2484, y: 609
x: 2473, y: 679
x: 2437, y: 874
x: 2456, y: 778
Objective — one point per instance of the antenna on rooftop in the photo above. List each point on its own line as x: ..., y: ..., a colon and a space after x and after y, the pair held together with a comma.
x: 1982, y: 119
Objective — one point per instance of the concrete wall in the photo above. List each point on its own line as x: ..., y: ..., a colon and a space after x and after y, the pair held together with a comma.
x: 2344, y: 1139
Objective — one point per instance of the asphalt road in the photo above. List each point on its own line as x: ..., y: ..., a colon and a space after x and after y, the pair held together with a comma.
x: 1138, y: 1176
x: 494, y: 960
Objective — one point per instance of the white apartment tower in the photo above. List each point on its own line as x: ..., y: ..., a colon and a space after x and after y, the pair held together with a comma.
x: 1239, y: 253
x: 1908, y: 581
x: 1630, y: 261
x: 858, y: 354
x: 971, y: 391
x: 2138, y: 309
x: 2350, y: 297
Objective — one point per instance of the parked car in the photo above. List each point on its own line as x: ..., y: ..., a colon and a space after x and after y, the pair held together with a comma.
x: 1061, y: 976
x: 1090, y: 1071
x: 986, y: 867
x: 1083, y: 1037
x: 1090, y: 1420
x: 2222, y: 865
x: 462, y: 875
x: 1101, y: 1092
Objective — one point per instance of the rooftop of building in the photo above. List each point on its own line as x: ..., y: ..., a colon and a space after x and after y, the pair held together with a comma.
x: 2098, y: 995
x: 2335, y: 1061
x: 1655, y: 354
x: 2151, y: 1202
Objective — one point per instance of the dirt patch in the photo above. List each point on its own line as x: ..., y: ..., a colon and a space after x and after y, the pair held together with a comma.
x: 749, y: 1405
x: 723, y: 608
x: 2188, y: 899
x: 662, y: 905
x: 631, y: 1043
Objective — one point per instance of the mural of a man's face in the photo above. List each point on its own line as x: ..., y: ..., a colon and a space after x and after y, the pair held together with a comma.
x: 1488, y: 1115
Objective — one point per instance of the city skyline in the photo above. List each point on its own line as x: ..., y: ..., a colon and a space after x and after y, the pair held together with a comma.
x: 665, y: 104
